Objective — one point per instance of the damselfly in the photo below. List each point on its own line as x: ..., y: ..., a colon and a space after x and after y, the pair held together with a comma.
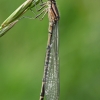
x: 50, y: 84
x: 15, y: 16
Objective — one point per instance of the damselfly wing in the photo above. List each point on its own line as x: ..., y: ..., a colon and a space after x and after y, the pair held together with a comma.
x: 52, y: 76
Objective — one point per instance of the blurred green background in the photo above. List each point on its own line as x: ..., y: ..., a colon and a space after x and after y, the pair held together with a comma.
x: 22, y: 52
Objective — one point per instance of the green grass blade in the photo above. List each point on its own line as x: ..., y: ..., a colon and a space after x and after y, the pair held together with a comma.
x: 13, y: 18
x: 7, y: 28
